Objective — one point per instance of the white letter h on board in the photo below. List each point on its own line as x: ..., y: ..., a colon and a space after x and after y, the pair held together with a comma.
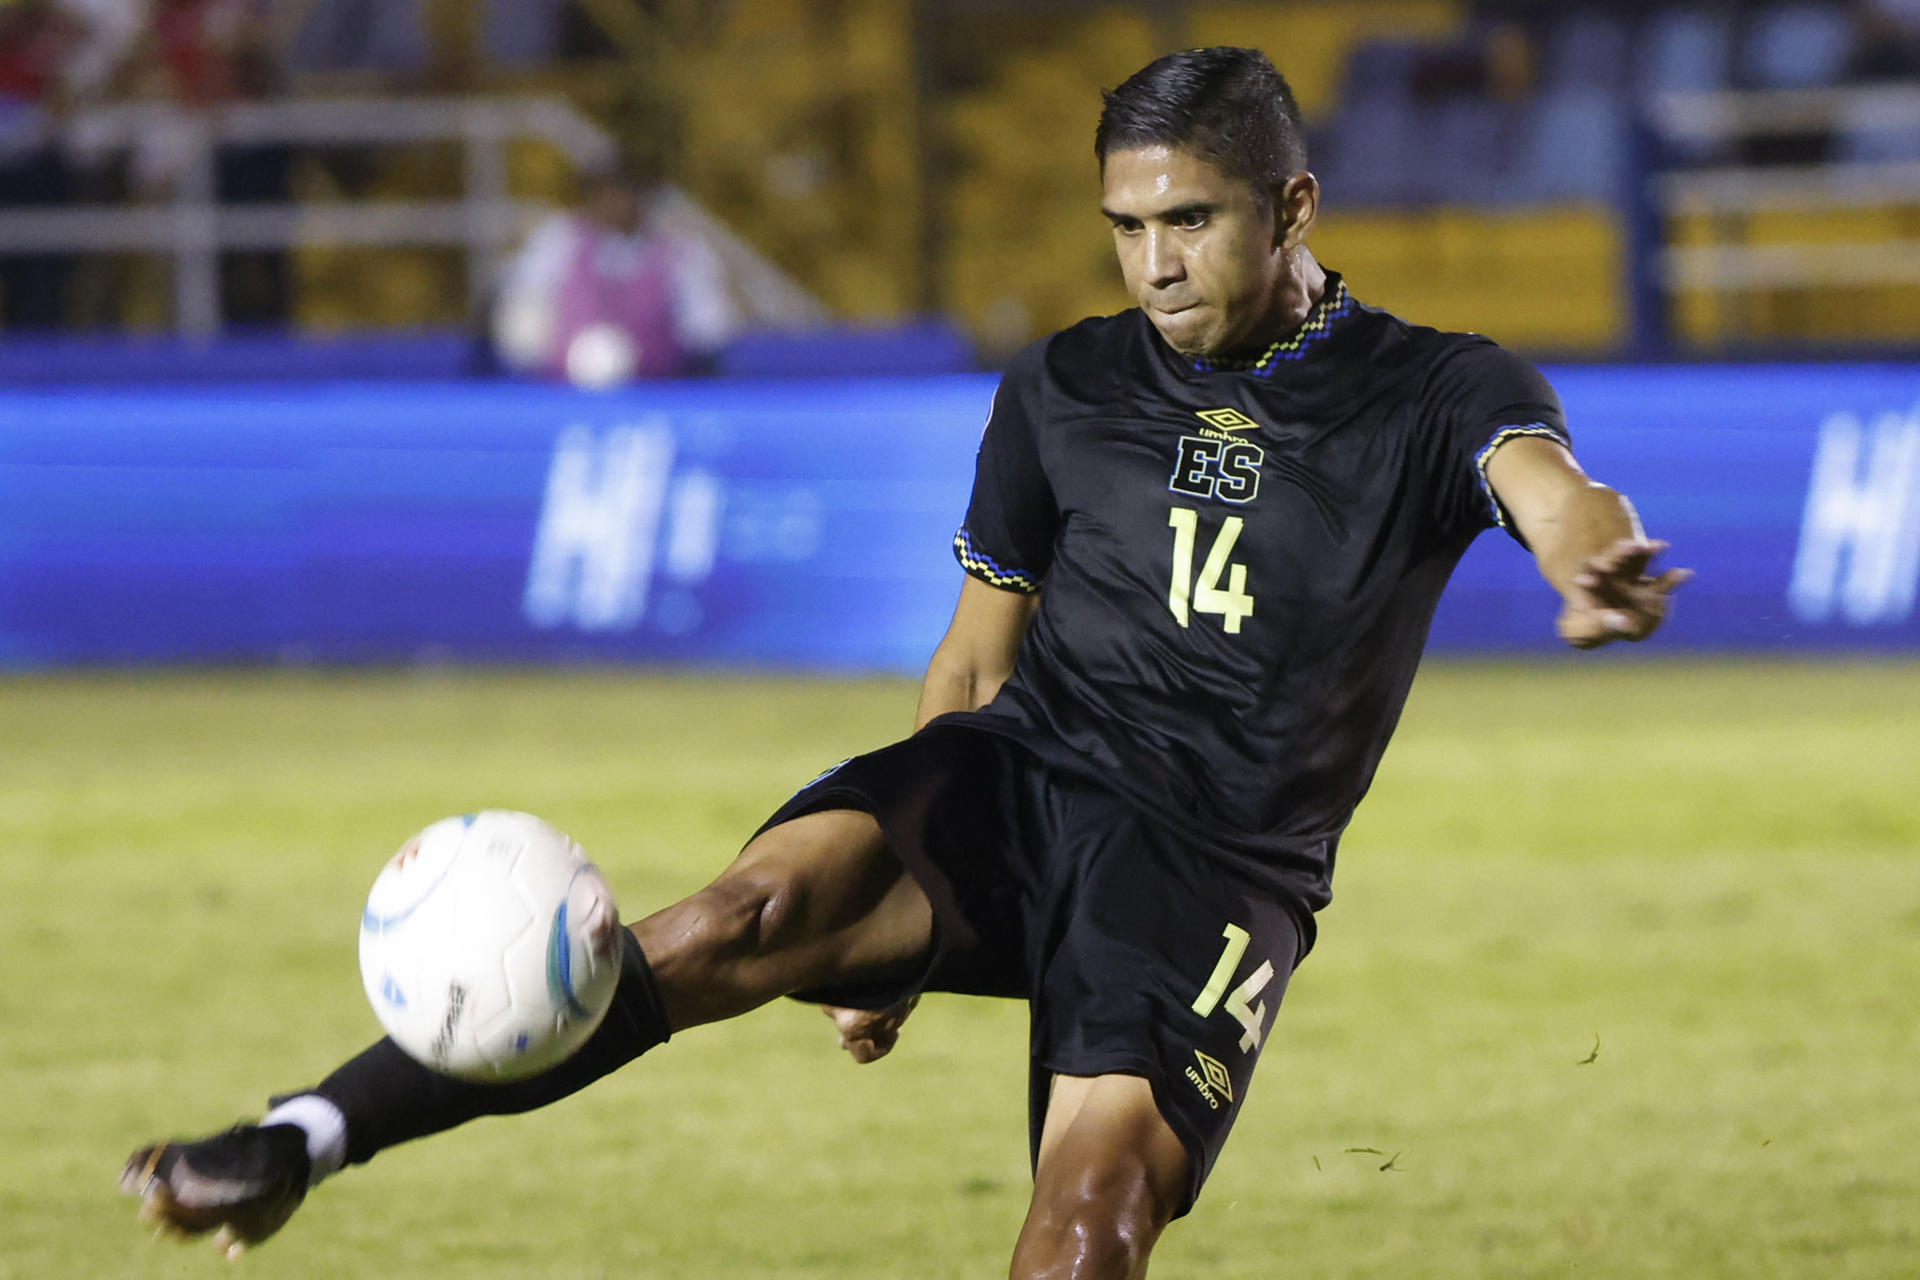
x: 1870, y: 512
x: 594, y: 550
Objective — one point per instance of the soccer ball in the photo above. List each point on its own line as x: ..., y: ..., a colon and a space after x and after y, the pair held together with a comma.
x: 489, y: 946
x: 601, y: 356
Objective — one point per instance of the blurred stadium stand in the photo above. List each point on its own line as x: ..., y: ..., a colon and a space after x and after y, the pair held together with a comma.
x: 899, y: 187
x: 1593, y: 180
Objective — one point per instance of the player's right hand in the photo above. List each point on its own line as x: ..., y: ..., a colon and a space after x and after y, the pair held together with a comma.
x: 870, y: 1034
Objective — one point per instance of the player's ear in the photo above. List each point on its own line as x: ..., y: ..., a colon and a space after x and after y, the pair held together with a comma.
x: 1296, y: 203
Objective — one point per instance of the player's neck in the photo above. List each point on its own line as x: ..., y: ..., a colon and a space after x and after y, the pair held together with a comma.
x: 1302, y: 285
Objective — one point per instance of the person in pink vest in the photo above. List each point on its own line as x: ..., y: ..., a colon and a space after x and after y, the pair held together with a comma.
x: 615, y: 290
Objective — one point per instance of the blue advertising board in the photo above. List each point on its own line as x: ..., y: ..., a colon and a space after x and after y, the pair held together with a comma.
x: 1793, y: 491
x: 807, y: 525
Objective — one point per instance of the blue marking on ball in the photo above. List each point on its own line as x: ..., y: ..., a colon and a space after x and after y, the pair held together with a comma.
x: 372, y: 923
x: 560, y: 965
x: 390, y: 992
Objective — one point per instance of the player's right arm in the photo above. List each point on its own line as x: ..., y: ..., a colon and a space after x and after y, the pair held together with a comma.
x: 976, y: 655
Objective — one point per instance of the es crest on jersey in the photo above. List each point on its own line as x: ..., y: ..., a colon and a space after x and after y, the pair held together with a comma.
x: 1217, y: 463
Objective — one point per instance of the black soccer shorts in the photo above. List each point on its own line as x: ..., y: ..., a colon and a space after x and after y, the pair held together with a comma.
x: 1137, y: 954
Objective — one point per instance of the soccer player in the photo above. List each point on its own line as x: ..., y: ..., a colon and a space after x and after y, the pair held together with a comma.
x: 1204, y: 545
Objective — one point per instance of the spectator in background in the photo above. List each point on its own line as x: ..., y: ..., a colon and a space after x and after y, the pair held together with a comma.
x: 1497, y: 62
x: 620, y: 288
x: 54, y: 54
x: 523, y: 33
x: 1886, y: 45
x: 383, y: 40
x: 33, y: 34
x: 380, y: 46
x: 212, y: 53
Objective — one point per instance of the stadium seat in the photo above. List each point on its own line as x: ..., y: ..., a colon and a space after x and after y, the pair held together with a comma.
x: 1381, y: 69
x: 1465, y: 151
x: 1575, y: 150
x: 359, y: 35
x: 1797, y: 46
x: 1372, y: 152
x: 1868, y: 136
x: 1685, y: 51
x: 1587, y: 50
x: 1542, y: 279
x: 521, y: 33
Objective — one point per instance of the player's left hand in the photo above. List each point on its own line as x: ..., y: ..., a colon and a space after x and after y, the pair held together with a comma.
x: 1612, y: 597
x: 870, y: 1034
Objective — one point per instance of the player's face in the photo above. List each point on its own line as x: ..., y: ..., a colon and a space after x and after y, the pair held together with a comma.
x: 1197, y: 247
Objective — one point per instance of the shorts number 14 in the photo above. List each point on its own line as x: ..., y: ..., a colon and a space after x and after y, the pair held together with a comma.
x: 1240, y: 1004
x: 1185, y: 595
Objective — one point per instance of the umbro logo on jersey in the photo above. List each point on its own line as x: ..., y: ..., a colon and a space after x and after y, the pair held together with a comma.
x: 1226, y: 419
x: 1211, y: 1080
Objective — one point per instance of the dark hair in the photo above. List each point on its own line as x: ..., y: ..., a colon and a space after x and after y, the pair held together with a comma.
x: 1228, y: 106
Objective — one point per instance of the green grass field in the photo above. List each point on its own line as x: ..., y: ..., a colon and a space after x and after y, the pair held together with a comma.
x: 1712, y: 869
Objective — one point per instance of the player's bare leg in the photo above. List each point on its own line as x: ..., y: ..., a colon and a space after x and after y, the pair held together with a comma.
x: 814, y: 902
x: 1110, y: 1177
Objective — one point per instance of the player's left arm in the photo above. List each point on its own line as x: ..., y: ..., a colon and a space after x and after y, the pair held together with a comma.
x: 1587, y: 540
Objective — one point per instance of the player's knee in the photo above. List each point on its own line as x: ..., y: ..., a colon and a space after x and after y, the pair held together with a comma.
x: 736, y: 918
x: 1095, y: 1223
x: 777, y: 908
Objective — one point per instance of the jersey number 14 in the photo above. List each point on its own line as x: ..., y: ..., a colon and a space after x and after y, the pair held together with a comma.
x: 1187, y: 595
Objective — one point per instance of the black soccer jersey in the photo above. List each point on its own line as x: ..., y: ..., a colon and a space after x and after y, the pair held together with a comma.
x: 1237, y: 565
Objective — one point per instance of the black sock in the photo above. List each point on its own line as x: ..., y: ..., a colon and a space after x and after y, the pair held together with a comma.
x: 388, y: 1098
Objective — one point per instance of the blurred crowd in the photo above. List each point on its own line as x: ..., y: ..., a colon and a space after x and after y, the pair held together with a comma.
x: 58, y: 57
x: 168, y: 57
x: 1887, y: 40
x: 1535, y: 103
x: 1838, y: 41
x: 1528, y: 102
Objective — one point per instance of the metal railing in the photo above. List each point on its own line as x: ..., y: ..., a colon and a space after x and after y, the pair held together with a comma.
x: 193, y: 228
x: 1729, y: 192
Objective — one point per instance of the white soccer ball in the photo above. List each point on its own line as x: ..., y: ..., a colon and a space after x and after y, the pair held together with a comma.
x: 601, y: 356
x: 489, y: 946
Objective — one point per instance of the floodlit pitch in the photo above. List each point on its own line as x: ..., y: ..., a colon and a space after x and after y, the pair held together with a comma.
x: 1618, y: 982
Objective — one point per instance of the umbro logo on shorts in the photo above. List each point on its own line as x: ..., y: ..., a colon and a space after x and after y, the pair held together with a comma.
x: 1211, y: 1079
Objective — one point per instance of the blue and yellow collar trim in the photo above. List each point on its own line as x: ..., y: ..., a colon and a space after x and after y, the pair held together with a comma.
x: 1334, y: 305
